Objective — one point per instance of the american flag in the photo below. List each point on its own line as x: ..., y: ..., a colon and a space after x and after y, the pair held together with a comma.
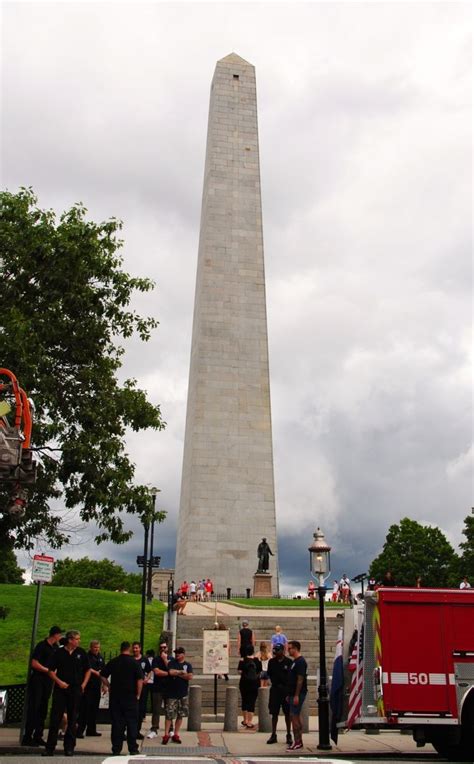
x: 356, y: 665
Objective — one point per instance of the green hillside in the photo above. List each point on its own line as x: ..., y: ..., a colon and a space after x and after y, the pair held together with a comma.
x: 110, y: 617
x: 274, y: 602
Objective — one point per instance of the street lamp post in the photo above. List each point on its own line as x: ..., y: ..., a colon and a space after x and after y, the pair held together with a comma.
x: 146, y: 526
x: 149, y: 594
x: 320, y: 566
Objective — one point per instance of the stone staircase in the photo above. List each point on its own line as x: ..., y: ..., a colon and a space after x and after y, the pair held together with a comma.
x: 304, y: 628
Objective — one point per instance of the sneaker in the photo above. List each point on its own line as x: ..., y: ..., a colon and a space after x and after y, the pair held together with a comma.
x: 27, y: 741
x: 80, y: 735
x: 176, y: 739
x: 68, y: 752
x: 272, y: 739
x: 152, y: 734
x: 164, y: 739
x: 296, y: 746
x: 140, y: 736
x: 93, y: 734
x: 289, y: 739
x: 135, y: 752
x: 47, y: 753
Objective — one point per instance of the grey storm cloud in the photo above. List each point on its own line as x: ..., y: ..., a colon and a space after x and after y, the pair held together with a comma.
x: 365, y: 140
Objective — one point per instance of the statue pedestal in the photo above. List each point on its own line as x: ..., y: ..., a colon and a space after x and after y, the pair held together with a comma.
x: 262, y: 585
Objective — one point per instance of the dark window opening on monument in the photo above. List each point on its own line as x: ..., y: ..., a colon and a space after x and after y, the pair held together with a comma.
x: 236, y: 76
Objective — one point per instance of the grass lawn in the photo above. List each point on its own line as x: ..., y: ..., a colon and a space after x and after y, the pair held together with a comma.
x: 276, y: 603
x: 110, y: 617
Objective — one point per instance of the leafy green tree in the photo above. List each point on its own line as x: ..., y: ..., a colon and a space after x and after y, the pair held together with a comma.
x: 411, y: 550
x: 466, y: 562
x: 10, y: 572
x: 65, y: 309
x: 94, y: 574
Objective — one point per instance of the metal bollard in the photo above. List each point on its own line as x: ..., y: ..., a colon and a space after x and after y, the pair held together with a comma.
x: 195, y: 708
x: 229, y: 592
x: 248, y: 593
x: 231, y: 709
x: 264, y: 719
x: 305, y: 715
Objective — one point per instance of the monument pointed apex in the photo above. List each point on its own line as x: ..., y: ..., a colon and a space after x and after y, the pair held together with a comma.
x: 233, y: 58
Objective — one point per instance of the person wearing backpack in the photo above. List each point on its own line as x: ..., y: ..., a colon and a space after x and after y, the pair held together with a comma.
x: 249, y: 669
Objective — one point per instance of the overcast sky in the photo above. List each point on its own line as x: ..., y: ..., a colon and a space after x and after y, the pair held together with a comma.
x: 365, y: 139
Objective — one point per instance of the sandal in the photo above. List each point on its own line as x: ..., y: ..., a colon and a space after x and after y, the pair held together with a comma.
x: 250, y: 726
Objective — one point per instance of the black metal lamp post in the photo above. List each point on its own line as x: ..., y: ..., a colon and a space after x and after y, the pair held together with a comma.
x: 149, y: 593
x: 320, y: 566
x: 146, y: 526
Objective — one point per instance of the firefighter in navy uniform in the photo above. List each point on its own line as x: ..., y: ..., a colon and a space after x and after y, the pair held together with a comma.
x: 69, y: 669
x: 125, y: 689
x: 39, y: 688
x: 91, y: 697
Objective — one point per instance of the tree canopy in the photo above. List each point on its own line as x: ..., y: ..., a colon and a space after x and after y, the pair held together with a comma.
x: 10, y: 572
x: 95, y: 574
x: 466, y: 562
x: 411, y: 550
x: 65, y: 308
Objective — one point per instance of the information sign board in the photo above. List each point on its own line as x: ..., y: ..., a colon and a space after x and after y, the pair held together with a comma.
x: 215, y: 651
x: 42, y: 569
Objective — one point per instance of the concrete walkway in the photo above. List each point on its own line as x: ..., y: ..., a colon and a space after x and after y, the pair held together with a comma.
x: 212, y: 741
x: 223, y: 609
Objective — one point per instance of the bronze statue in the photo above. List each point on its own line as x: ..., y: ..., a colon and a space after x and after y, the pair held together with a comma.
x: 263, y: 553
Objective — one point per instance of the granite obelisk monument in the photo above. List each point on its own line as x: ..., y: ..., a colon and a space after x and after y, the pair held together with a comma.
x: 227, y: 490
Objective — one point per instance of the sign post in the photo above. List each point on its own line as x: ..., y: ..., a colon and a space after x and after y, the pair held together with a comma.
x: 42, y: 573
x: 215, y: 655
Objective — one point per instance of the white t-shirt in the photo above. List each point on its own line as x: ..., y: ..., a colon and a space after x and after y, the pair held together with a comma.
x: 464, y: 585
x: 192, y: 587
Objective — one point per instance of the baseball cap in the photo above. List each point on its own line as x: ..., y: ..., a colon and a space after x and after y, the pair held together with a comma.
x: 55, y: 630
x: 278, y: 648
x: 180, y: 650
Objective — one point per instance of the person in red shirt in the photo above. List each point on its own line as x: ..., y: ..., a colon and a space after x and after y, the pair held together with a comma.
x: 184, y: 588
x: 209, y: 588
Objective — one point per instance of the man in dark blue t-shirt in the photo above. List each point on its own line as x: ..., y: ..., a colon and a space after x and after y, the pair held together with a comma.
x: 297, y: 689
x: 180, y: 673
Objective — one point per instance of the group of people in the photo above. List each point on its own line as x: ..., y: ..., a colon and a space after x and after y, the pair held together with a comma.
x: 201, y: 591
x: 285, y: 669
x: 77, y: 678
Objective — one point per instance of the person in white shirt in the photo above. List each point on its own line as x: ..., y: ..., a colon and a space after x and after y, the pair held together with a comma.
x: 465, y: 584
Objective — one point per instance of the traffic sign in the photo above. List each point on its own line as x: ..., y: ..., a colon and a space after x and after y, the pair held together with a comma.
x: 42, y: 569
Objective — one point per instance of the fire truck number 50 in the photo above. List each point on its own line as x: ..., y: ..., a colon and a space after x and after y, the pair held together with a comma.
x: 417, y: 678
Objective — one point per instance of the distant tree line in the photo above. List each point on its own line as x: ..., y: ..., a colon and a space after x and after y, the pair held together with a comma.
x: 95, y: 574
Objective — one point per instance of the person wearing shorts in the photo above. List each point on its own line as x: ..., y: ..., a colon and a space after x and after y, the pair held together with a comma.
x: 180, y: 673
x: 297, y: 690
x: 278, y: 673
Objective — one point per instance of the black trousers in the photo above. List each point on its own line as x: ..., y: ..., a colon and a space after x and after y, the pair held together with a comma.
x: 39, y: 691
x: 88, y: 709
x: 142, y: 706
x: 64, y: 701
x: 124, y: 715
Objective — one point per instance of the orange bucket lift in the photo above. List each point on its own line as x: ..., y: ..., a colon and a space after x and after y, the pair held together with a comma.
x: 17, y: 466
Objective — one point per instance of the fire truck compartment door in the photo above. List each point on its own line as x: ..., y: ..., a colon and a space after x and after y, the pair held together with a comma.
x: 414, y: 659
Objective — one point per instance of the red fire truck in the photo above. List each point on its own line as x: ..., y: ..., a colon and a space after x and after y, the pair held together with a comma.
x: 413, y: 667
